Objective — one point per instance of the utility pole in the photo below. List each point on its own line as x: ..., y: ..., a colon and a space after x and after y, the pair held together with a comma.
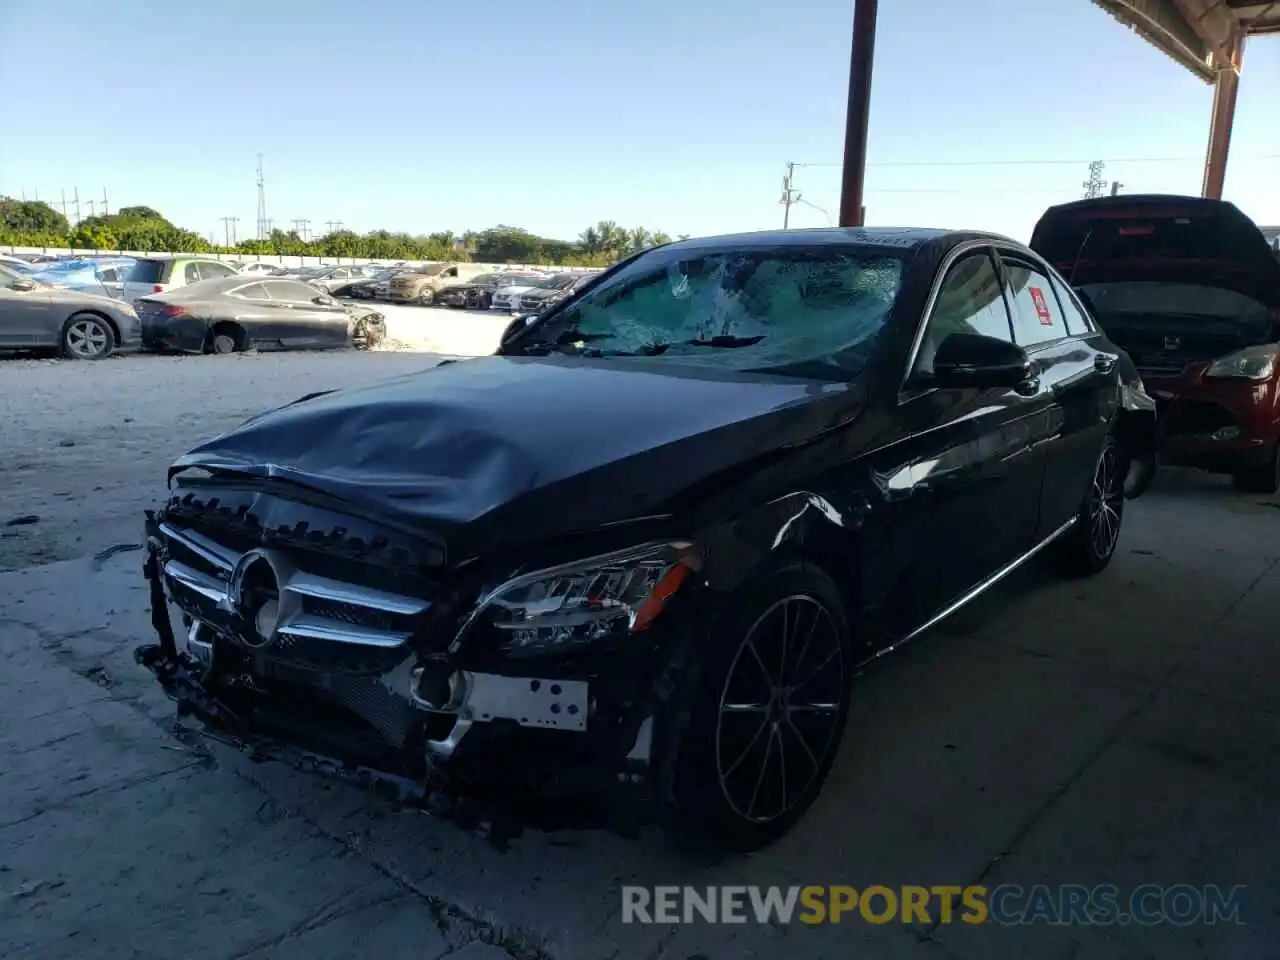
x: 264, y: 225
x: 229, y: 230
x: 64, y: 202
x: 106, y: 211
x: 333, y: 226
x: 1115, y: 187
x: 300, y: 227
x: 77, y: 202
x: 789, y: 194
x: 90, y: 203
x: 1095, y: 185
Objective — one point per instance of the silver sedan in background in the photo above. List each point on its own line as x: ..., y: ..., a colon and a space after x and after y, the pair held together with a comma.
x: 81, y: 326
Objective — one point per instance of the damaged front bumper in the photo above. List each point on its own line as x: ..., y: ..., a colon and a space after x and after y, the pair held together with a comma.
x: 343, y: 699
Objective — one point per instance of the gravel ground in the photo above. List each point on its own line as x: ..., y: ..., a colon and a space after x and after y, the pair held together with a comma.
x: 84, y: 446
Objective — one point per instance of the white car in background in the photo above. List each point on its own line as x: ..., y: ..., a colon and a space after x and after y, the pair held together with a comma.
x: 508, y: 297
x: 261, y: 269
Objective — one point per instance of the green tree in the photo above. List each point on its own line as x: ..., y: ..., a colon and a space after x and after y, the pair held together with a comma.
x: 94, y: 236
x: 32, y: 217
x: 143, y: 228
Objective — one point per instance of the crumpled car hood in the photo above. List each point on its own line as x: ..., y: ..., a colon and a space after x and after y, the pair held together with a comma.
x: 531, y: 447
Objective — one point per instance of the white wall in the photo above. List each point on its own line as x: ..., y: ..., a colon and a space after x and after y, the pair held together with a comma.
x: 278, y: 260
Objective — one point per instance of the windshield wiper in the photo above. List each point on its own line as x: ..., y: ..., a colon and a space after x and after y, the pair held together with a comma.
x: 726, y: 341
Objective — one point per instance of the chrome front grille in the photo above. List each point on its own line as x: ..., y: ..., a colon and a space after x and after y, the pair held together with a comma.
x: 199, y: 573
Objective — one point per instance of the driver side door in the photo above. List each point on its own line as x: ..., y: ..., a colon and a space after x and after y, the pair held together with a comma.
x: 299, y: 321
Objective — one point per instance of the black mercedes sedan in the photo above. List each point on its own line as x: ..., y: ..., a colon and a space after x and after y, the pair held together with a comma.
x: 639, y: 555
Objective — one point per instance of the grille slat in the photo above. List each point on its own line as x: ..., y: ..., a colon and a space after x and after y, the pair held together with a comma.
x: 326, y: 613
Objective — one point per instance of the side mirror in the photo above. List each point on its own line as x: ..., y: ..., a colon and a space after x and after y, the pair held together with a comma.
x: 969, y: 360
x: 516, y: 327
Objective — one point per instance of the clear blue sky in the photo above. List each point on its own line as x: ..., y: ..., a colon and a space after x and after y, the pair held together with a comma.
x: 676, y: 115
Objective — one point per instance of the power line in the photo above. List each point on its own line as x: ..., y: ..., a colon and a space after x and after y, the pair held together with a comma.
x: 1031, y: 163
x: 229, y: 230
x: 789, y: 194
x: 979, y: 189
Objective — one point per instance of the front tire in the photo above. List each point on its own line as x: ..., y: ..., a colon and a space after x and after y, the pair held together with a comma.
x: 761, y: 715
x: 1087, y: 548
x: 427, y: 297
x: 1263, y: 479
x: 87, y: 337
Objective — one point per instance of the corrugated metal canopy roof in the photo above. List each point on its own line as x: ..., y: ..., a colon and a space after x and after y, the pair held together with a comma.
x: 1196, y: 33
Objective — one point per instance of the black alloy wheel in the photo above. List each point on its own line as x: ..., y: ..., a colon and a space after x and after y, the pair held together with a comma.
x: 767, y: 717
x: 1089, y: 546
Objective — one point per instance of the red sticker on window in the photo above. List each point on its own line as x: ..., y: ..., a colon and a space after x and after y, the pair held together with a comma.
x: 1042, y: 308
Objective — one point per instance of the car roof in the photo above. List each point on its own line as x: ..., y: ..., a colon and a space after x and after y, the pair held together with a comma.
x: 900, y: 238
x: 219, y: 285
x: 165, y: 257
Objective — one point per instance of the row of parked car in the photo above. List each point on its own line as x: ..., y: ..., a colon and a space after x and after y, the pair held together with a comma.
x: 459, y: 285
x: 88, y: 308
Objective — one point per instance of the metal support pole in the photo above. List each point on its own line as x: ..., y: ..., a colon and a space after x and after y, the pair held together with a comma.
x: 852, y: 212
x: 1225, y: 88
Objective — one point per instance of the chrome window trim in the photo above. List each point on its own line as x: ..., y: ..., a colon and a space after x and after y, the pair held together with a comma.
x: 1090, y: 325
x: 1037, y: 263
x: 235, y: 292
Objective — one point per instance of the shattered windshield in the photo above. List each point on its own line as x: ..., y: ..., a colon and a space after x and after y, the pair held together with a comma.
x: 813, y: 311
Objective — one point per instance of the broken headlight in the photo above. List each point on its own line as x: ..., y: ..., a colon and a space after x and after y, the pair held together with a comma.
x: 581, y: 602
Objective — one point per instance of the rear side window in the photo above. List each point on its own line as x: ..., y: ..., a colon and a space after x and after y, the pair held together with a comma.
x: 1072, y: 310
x: 255, y: 291
x: 191, y: 273
x: 290, y: 291
x: 146, y: 271
x: 1037, y: 316
x: 210, y: 269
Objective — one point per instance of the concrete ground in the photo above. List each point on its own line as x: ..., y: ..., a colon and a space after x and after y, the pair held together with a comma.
x: 1122, y: 730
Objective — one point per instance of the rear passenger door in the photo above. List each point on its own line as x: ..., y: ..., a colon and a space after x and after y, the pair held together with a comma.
x: 1076, y: 393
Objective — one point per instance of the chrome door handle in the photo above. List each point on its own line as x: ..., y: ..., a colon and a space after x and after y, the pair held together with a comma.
x: 1028, y: 387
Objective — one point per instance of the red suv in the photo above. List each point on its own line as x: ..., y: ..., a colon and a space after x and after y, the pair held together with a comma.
x: 1191, y: 289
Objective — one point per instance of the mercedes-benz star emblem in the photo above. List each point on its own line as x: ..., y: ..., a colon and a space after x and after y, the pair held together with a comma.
x: 254, y: 597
